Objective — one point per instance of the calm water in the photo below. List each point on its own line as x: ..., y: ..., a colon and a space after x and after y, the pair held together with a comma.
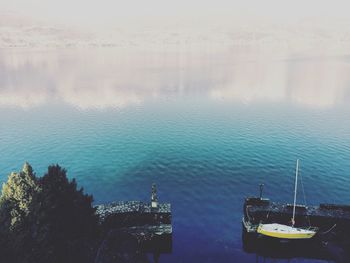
x: 206, y: 127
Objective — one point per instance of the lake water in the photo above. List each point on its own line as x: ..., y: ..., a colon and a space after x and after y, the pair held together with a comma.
x: 207, y: 127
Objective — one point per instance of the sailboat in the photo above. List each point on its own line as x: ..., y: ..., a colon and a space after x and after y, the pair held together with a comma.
x: 286, y: 231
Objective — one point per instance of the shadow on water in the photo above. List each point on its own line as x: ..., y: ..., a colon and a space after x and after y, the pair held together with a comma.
x: 158, y: 246
x: 123, y: 247
x: 270, y: 249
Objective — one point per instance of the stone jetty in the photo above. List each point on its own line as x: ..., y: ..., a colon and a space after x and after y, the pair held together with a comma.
x: 145, y: 226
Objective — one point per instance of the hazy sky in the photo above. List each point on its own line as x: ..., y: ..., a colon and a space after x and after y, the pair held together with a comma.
x: 295, y: 26
x: 114, y: 12
x: 301, y: 30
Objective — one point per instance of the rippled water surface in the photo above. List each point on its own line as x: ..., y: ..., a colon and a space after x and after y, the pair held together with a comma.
x: 206, y: 127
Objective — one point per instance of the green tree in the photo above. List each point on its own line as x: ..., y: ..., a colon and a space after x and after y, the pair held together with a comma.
x: 17, y: 195
x: 66, y: 223
x: 46, y: 219
x: 15, y: 207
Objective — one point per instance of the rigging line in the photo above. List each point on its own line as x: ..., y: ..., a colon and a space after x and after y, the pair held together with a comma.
x: 267, y: 215
x: 247, y: 213
x: 326, y: 232
x: 302, y: 188
x: 295, y: 192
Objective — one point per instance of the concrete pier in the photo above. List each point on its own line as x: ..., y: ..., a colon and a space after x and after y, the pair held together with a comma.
x: 136, y: 217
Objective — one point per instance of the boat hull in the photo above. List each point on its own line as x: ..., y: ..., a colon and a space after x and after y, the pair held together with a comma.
x: 285, y: 232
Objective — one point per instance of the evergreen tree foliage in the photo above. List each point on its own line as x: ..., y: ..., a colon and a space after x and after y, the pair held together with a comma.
x: 17, y: 195
x: 66, y: 221
x: 46, y: 219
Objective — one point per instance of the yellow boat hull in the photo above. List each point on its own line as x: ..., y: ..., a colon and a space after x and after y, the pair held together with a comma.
x: 285, y: 232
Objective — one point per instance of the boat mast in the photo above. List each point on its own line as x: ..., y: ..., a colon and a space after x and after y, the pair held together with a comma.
x: 295, y: 191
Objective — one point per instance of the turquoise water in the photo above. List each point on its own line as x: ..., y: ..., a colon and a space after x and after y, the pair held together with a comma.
x: 189, y: 127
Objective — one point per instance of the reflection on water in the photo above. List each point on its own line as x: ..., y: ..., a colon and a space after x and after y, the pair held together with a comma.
x: 113, y: 78
x: 269, y: 249
x: 158, y: 246
x: 207, y: 127
x: 121, y: 246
